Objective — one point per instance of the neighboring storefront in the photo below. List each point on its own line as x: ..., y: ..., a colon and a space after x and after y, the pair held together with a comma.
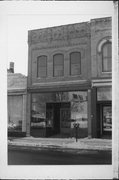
x: 16, y: 100
x: 101, y: 53
x: 102, y: 103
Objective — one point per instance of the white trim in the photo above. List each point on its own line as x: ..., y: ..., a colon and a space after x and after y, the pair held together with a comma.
x: 101, y: 82
x: 103, y: 41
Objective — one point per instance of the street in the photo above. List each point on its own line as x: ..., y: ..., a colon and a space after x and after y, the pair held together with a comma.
x: 57, y: 157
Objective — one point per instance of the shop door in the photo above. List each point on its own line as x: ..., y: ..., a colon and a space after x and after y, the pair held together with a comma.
x: 104, y: 120
x: 52, y: 118
x: 57, y: 117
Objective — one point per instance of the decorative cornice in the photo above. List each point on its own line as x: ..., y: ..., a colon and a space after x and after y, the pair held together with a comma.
x: 60, y: 33
x: 59, y: 45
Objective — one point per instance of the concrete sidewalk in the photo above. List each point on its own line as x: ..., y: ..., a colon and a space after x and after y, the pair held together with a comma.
x: 64, y: 143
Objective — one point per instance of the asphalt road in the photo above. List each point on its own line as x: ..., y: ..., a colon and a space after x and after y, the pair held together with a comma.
x: 52, y: 157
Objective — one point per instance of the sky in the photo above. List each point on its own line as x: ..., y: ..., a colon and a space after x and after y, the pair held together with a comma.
x: 22, y: 17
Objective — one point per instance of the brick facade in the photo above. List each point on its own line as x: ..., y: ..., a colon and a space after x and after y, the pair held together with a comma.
x: 87, y: 38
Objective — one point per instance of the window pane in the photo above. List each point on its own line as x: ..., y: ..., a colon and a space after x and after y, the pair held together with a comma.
x: 107, y: 66
x: 42, y: 72
x: 107, y: 57
x: 75, y: 69
x: 58, y: 65
x: 107, y: 50
x: 58, y: 59
x: 75, y: 60
x: 42, y: 60
x: 58, y: 71
x: 110, y: 50
x: 42, y: 66
x: 104, y: 94
x: 107, y: 118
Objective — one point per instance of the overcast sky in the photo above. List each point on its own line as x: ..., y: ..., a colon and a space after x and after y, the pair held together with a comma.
x: 38, y: 14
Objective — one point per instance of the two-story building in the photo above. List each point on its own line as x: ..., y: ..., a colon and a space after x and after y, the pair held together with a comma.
x: 69, y: 80
x: 101, y: 76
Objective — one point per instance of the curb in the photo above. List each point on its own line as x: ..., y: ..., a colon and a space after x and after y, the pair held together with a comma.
x: 30, y: 146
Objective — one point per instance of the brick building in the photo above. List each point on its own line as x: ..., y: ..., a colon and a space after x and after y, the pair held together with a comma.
x: 69, y: 79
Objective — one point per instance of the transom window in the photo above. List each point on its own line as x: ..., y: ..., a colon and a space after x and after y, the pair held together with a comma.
x: 75, y: 63
x: 58, y: 65
x: 42, y: 66
x: 107, y: 57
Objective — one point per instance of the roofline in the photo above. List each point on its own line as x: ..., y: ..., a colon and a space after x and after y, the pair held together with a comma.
x: 100, y: 19
x: 86, y: 22
x: 13, y: 74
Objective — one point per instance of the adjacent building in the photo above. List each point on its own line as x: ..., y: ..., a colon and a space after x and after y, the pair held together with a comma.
x: 16, y: 97
x: 70, y: 80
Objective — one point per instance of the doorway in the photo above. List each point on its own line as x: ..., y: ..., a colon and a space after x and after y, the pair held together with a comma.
x: 54, y: 117
x: 104, y: 120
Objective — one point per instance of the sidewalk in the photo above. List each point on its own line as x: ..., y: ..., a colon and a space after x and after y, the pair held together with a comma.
x: 64, y: 143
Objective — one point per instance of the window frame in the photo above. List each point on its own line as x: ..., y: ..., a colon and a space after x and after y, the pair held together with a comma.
x: 55, y: 65
x: 108, y: 58
x: 75, y: 63
x: 38, y: 58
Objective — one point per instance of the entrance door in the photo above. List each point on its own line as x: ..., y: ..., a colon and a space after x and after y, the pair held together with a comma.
x: 54, y: 117
x: 57, y: 118
x: 104, y: 120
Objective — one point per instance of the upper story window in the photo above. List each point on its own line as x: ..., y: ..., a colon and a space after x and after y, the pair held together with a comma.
x: 107, y: 57
x: 58, y: 65
x: 75, y: 63
x: 42, y: 66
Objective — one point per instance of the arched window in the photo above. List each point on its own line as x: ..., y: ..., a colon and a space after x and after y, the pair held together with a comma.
x: 42, y: 66
x: 75, y: 63
x: 58, y: 65
x: 107, y: 57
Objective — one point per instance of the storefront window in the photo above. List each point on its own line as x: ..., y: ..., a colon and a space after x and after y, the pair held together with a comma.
x: 107, y: 118
x: 104, y: 94
x: 15, y: 113
x: 79, y: 108
x: 59, y: 110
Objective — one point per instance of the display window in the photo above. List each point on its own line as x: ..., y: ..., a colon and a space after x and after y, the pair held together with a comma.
x: 58, y: 111
x: 107, y: 118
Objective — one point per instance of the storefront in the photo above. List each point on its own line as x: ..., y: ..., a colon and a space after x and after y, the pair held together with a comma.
x: 102, y: 127
x: 55, y: 113
x: 16, y: 104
